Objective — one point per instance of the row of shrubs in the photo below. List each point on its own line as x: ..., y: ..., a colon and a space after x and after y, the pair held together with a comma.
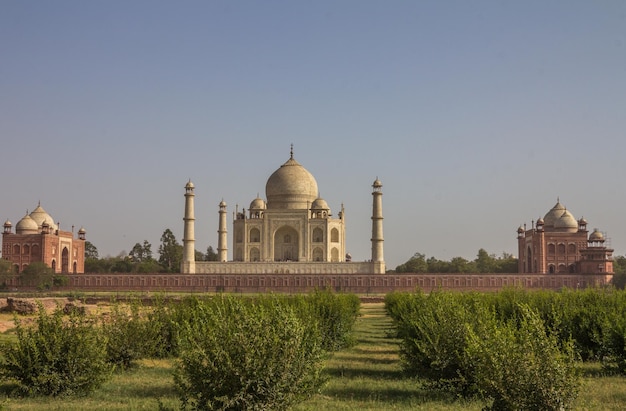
x: 262, y: 352
x: 516, y: 348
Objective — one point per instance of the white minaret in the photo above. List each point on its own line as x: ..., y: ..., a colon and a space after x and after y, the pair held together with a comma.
x: 378, y: 259
x: 222, y: 239
x: 189, y: 241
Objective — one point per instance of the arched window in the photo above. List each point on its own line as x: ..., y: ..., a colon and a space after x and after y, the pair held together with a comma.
x: 54, y: 265
x: 16, y: 249
x: 551, y: 249
x: 318, y: 254
x: 255, y: 254
x: 334, y: 235
x: 571, y: 249
x: 551, y: 269
x: 562, y: 268
x: 255, y: 235
x: 74, y: 269
x: 26, y: 249
x: 561, y: 249
x: 334, y: 255
x: 318, y: 235
x: 35, y: 250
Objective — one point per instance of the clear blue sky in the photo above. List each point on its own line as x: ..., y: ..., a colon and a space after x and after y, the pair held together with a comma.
x: 475, y: 115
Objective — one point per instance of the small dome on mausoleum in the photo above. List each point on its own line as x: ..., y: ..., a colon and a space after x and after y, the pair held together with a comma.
x: 40, y: 215
x: 596, y: 236
x: 319, y: 204
x: 554, y: 214
x: 27, y: 225
x: 567, y: 223
x: 258, y: 204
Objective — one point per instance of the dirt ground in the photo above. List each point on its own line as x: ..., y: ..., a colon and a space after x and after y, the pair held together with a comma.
x: 7, y: 321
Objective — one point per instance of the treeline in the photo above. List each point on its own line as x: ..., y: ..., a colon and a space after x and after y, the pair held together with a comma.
x: 140, y: 259
x: 518, y: 348
x: 262, y: 352
x: 484, y: 263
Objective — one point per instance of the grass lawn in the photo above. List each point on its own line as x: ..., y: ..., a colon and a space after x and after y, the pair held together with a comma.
x: 365, y: 377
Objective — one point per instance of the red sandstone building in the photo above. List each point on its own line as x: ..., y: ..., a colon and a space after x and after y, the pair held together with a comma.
x: 38, y: 239
x: 558, y: 243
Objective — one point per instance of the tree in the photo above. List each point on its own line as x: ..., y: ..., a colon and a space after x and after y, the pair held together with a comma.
x: 485, y: 263
x: 619, y: 267
x: 121, y: 265
x: 5, y: 267
x: 461, y: 265
x: 6, y: 271
x: 415, y: 264
x: 170, y: 252
x: 210, y: 254
x: 506, y: 264
x: 37, y: 274
x: 141, y: 252
x: 91, y: 252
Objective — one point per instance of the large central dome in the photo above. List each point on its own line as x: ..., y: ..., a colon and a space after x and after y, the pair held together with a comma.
x: 291, y: 186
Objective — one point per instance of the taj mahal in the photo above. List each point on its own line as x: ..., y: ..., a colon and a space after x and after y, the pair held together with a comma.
x: 293, y: 231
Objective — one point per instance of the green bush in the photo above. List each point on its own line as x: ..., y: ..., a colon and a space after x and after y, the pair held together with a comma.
x: 433, y: 330
x: 613, y: 353
x: 334, y: 314
x: 241, y: 354
x: 129, y: 336
x: 489, y: 344
x: 58, y: 356
x: 521, y: 366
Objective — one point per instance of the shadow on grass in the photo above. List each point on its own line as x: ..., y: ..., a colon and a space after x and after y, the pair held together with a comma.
x: 375, y: 351
x: 364, y: 372
x: 390, y: 395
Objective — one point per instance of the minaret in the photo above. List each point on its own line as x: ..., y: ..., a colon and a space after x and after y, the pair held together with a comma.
x: 189, y: 241
x: 222, y: 239
x: 378, y: 259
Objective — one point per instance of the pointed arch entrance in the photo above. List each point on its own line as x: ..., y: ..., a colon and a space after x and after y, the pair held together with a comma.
x: 65, y: 260
x: 286, y: 244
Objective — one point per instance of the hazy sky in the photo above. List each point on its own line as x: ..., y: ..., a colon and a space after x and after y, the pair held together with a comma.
x: 475, y: 115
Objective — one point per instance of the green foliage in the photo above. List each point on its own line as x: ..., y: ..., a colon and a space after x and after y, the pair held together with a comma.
x: 242, y: 354
x: 491, y: 344
x: 415, y: 264
x: 57, y: 356
x: 91, y: 252
x: 334, y: 314
x: 6, y: 272
x: 619, y: 267
x: 433, y: 329
x: 37, y: 274
x: 484, y: 263
x: 128, y: 339
x: 5, y: 267
x: 210, y: 255
x: 170, y: 252
x: 520, y: 366
x: 141, y: 252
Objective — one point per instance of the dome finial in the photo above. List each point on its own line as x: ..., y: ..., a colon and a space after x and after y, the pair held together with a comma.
x: 291, y: 152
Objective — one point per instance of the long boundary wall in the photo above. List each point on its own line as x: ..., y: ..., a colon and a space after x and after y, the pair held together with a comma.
x: 353, y: 283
